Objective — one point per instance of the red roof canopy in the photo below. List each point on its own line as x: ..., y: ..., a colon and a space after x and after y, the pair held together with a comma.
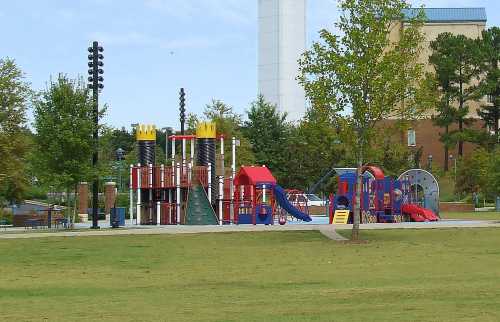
x: 253, y: 176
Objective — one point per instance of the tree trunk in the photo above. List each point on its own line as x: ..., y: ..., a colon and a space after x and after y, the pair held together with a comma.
x: 75, y: 203
x: 357, y: 197
x: 496, y: 127
x: 446, y: 150
x: 460, y: 120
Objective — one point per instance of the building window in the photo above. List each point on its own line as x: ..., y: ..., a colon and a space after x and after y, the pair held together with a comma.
x: 412, y: 138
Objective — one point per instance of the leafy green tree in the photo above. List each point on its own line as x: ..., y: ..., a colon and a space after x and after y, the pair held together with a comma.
x: 15, y: 94
x: 315, y: 146
x: 494, y: 175
x: 223, y: 115
x: 63, y: 120
x: 112, y: 139
x: 457, y: 61
x: 361, y: 70
x: 490, y: 83
x: 445, y: 112
x: 479, y: 172
x: 268, y: 133
x: 229, y: 124
x: 192, y: 123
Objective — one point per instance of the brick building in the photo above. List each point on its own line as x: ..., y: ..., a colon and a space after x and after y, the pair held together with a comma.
x: 465, y: 21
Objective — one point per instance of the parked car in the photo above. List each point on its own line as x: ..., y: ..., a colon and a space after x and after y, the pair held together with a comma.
x: 309, y: 198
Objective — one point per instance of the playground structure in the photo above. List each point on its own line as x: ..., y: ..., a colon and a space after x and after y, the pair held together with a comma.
x: 258, y: 198
x: 186, y: 190
x: 196, y: 189
x: 412, y: 197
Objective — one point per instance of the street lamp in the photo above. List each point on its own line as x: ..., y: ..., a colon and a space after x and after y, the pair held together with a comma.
x: 168, y: 131
x: 120, y: 156
x: 182, y: 109
x: 454, y: 169
x: 95, y: 84
x: 429, y: 162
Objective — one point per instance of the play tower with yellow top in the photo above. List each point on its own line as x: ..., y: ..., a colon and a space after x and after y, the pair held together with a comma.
x: 191, y: 186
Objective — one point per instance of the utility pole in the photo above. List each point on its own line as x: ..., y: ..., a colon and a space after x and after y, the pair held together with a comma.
x: 95, y: 84
x: 182, y: 109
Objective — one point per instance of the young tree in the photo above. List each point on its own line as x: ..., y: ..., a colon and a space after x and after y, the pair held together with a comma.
x: 63, y: 120
x: 490, y: 83
x: 362, y: 70
x: 457, y: 61
x: 223, y: 115
x: 228, y: 123
x: 15, y: 94
x: 268, y: 133
x: 192, y: 123
x: 445, y: 112
x: 315, y: 146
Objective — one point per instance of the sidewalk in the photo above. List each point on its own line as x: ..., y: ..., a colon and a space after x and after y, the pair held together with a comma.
x: 14, y: 233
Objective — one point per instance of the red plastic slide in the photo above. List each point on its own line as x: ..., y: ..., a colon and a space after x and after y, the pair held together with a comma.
x: 418, y: 213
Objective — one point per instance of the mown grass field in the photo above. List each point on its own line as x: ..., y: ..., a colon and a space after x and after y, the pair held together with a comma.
x: 478, y: 215
x: 398, y: 275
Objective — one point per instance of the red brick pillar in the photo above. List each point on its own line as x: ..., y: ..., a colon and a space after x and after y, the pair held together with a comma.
x: 109, y: 197
x: 83, y: 201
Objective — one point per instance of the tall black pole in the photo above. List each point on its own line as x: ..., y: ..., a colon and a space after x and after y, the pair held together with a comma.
x: 182, y: 109
x: 94, y: 63
x: 95, y: 136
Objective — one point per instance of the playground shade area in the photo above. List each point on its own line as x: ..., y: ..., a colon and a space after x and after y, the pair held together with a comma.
x: 399, y: 275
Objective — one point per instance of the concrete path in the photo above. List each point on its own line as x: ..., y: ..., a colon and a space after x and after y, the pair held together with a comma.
x: 327, y: 230
x: 332, y: 234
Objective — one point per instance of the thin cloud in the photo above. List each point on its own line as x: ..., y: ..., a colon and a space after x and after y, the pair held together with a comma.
x: 230, y: 11
x: 138, y: 39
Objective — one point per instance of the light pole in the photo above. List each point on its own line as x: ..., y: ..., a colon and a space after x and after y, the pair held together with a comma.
x: 454, y: 170
x: 120, y: 156
x: 95, y: 84
x: 182, y: 109
x: 168, y: 131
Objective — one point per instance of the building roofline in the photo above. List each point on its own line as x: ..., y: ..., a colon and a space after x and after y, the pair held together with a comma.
x: 442, y: 14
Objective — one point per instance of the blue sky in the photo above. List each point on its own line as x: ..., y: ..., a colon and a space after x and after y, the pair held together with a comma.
x: 154, y: 47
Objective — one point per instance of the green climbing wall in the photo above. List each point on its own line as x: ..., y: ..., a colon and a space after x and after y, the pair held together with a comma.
x: 199, y: 211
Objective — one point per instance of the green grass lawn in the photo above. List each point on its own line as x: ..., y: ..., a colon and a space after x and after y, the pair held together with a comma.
x: 399, y: 275
x: 479, y: 215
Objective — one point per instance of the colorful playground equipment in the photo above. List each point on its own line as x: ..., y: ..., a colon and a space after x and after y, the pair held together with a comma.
x: 412, y: 197
x: 186, y: 190
x: 195, y: 189
x: 258, y: 198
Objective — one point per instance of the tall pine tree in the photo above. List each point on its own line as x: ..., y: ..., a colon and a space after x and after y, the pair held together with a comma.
x: 457, y: 61
x: 490, y: 84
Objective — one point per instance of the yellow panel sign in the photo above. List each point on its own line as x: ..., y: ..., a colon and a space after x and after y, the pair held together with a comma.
x: 341, y: 217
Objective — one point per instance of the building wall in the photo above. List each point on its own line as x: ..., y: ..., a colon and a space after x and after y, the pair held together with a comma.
x: 431, y: 31
x: 427, y: 134
x: 282, y: 40
x: 427, y: 137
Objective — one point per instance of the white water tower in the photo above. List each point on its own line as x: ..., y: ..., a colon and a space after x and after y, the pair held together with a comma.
x: 282, y: 40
